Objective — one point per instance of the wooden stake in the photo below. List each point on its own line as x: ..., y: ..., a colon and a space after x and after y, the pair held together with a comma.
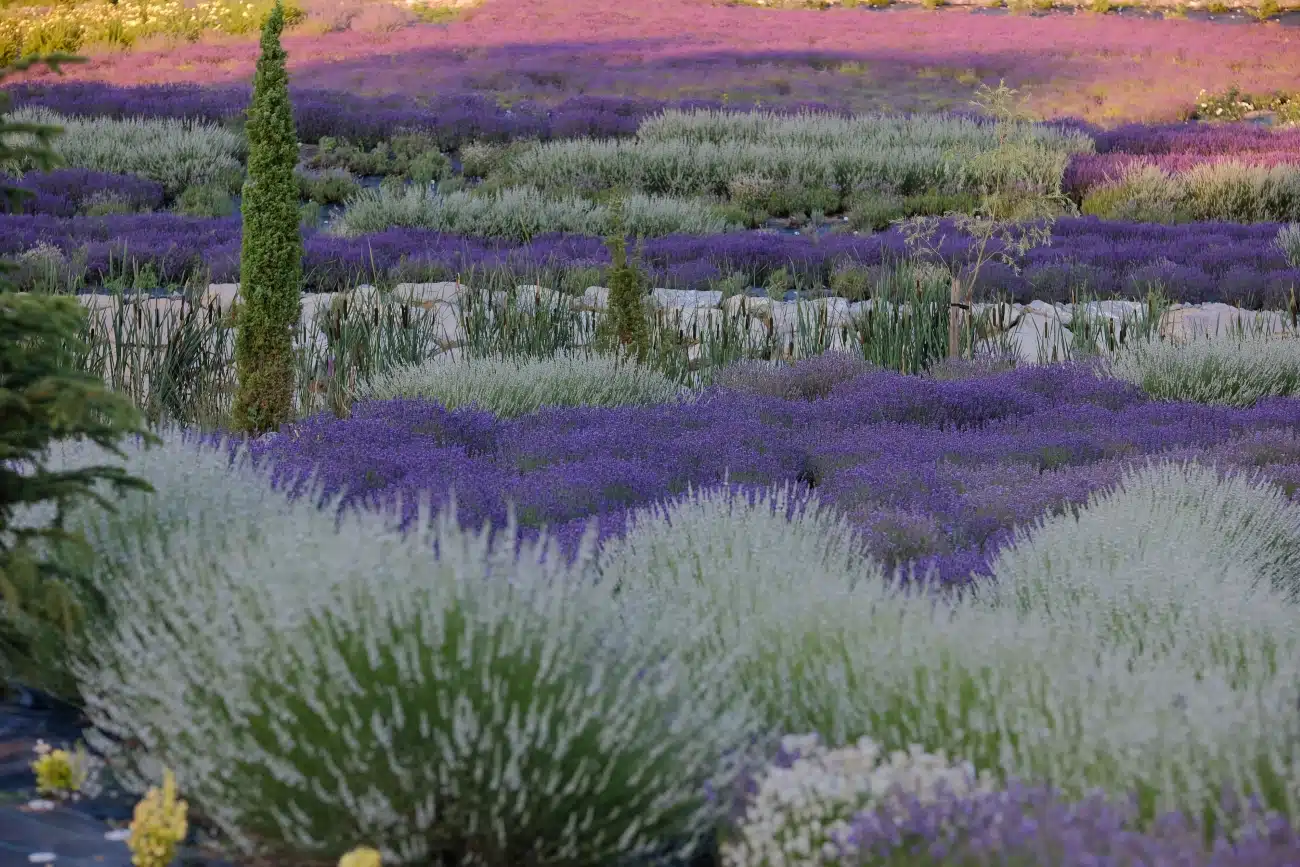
x: 959, y: 305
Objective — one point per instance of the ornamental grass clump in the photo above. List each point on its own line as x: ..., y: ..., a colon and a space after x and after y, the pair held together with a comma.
x: 482, y: 703
x: 511, y: 386
x: 808, y: 797
x: 1238, y: 370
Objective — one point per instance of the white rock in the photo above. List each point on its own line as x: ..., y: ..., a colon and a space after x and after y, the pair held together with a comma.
x: 596, y: 297
x: 684, y: 298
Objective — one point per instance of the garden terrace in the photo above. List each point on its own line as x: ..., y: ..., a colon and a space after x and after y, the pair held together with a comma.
x: 692, y: 435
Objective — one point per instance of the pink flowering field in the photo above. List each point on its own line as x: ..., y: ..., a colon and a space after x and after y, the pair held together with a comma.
x: 1105, y: 69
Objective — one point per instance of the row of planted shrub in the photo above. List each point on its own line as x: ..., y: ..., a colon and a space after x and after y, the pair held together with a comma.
x: 347, y: 709
x: 457, y: 119
x: 707, y: 171
x: 1256, y: 266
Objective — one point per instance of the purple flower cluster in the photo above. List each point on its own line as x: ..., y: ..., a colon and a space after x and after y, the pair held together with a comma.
x: 1193, y: 263
x: 67, y: 192
x: 1229, y: 139
x: 935, y: 473
x: 1026, y: 825
x: 452, y: 119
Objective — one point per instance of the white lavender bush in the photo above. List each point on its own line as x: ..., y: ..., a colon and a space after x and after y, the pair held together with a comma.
x: 512, y: 386
x: 314, y: 686
x: 800, y: 814
x: 1235, y: 370
x: 175, y: 153
x: 1068, y: 697
x: 775, y: 573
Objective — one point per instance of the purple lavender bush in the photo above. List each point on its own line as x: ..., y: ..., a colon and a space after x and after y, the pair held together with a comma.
x: 1029, y: 826
x: 934, y: 473
x: 69, y: 192
x: 1191, y: 263
x: 453, y: 118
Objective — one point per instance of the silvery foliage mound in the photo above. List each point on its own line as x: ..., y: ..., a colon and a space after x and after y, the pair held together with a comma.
x: 801, y: 812
x: 1288, y: 241
x: 521, y: 213
x: 175, y: 153
x: 316, y: 686
x: 1183, y: 583
x: 1238, y: 371
x: 776, y: 572
x: 1046, y: 693
x: 511, y: 387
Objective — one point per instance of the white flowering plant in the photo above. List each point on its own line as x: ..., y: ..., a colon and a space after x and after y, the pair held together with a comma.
x: 805, y: 801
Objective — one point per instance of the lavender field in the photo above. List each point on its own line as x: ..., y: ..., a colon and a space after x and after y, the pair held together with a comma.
x: 676, y: 467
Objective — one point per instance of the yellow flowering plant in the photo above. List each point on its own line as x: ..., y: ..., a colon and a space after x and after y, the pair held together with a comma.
x: 362, y: 856
x: 159, y: 825
x: 61, y: 773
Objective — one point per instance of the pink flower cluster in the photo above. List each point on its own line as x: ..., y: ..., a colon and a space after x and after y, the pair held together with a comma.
x: 1104, y: 69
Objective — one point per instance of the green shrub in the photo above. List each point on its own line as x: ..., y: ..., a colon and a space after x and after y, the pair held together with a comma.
x: 1233, y: 105
x: 851, y: 282
x: 175, y: 153
x: 330, y: 187
x: 271, y: 255
x: 311, y: 215
x: 240, y: 616
x: 44, y: 603
x: 205, y: 200
x: 511, y: 387
x: 627, y: 289
x: 480, y: 159
x: 411, y: 156
x: 1145, y: 194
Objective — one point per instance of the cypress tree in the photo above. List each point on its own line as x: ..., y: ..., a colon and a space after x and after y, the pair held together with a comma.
x: 270, y: 267
x: 626, y: 288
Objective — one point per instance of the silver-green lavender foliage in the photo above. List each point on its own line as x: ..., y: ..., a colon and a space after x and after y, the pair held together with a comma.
x: 1238, y: 370
x: 1182, y: 585
x: 1288, y: 241
x: 831, y: 646
x: 779, y: 589
x: 1232, y: 191
x: 1244, y: 531
x: 510, y: 386
x: 521, y: 212
x: 696, y: 153
x: 175, y: 153
x: 314, y: 685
